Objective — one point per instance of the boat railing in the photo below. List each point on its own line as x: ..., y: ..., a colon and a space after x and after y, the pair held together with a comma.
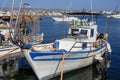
x: 38, y: 37
x: 78, y: 37
x: 33, y: 39
x: 87, y: 45
x: 82, y: 37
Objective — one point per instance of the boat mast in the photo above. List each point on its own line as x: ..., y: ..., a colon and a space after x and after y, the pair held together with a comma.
x: 3, y: 5
x: 116, y: 8
x: 18, y: 16
x: 11, y: 17
x: 91, y: 9
x: 13, y: 38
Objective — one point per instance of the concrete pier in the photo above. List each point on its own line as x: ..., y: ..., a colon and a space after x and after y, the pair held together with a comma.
x: 36, y: 12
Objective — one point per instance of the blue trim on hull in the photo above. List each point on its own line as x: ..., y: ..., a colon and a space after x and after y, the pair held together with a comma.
x: 47, y: 53
x: 57, y: 59
x: 35, y: 54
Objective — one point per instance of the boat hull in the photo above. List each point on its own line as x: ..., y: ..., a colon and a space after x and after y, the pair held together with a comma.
x: 117, y: 16
x: 12, y: 51
x: 48, y: 66
x: 64, y: 19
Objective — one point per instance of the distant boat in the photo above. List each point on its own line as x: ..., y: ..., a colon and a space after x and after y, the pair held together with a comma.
x: 115, y: 15
x: 65, y: 18
x: 82, y: 47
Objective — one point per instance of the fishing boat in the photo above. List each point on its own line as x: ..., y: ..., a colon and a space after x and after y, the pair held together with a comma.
x: 24, y: 25
x: 81, y: 47
x: 6, y: 46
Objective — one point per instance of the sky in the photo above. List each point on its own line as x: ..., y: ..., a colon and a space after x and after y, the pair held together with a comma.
x: 97, y: 5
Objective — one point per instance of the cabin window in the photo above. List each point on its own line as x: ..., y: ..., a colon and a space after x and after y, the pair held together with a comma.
x: 92, y: 33
x: 84, y: 45
x: 75, y: 32
x: 83, y: 32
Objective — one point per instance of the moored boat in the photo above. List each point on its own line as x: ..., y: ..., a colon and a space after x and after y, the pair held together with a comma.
x: 7, y: 48
x: 81, y: 47
x: 115, y: 15
x: 65, y: 18
x: 9, y: 41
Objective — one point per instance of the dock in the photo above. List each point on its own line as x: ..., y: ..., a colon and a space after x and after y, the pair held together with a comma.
x: 34, y: 12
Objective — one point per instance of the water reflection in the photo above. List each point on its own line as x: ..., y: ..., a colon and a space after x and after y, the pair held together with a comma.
x: 96, y: 71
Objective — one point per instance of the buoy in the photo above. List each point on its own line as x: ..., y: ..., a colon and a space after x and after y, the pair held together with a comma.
x: 105, y: 35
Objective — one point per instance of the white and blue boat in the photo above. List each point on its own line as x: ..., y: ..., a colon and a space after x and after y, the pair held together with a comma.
x: 81, y: 47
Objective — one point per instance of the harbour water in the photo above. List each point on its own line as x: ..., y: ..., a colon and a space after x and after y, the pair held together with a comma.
x: 55, y: 30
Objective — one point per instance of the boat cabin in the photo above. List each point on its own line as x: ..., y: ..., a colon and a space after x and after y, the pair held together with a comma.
x: 86, y: 31
x: 79, y: 37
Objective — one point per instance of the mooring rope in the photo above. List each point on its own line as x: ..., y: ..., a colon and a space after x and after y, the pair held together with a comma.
x: 62, y: 71
x: 58, y: 66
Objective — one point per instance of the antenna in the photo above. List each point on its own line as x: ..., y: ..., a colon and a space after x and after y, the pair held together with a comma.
x: 91, y: 9
x: 70, y: 4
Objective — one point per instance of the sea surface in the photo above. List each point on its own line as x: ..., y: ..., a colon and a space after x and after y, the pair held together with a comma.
x: 109, y: 70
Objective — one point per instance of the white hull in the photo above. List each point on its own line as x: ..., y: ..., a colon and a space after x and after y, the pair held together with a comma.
x: 115, y: 16
x: 64, y: 19
x: 46, y: 69
x: 12, y: 51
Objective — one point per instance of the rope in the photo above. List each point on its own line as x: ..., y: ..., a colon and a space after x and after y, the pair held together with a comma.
x: 56, y: 69
x: 62, y: 71
x: 58, y: 66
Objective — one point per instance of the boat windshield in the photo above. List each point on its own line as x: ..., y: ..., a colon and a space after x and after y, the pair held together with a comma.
x: 83, y: 32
